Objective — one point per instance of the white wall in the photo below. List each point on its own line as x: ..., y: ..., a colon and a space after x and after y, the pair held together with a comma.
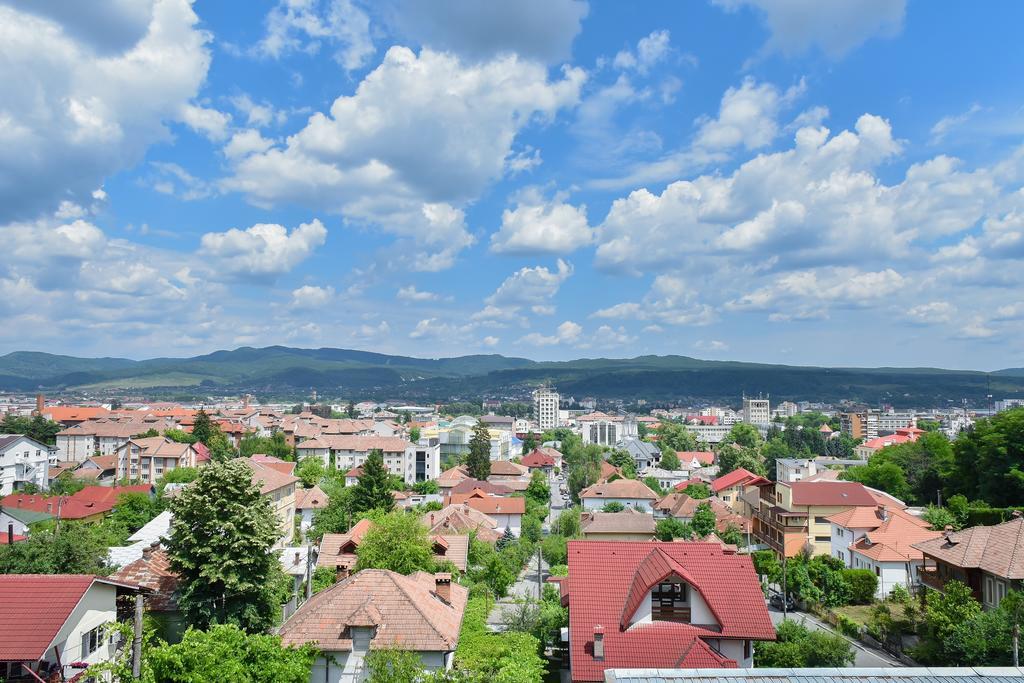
x: 700, y: 613
x: 514, y: 522
x: 638, y: 503
x: 347, y: 667
x: 98, y: 606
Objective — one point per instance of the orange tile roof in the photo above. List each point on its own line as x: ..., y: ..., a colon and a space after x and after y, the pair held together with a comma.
x: 462, y: 519
x: 311, y: 499
x: 995, y: 549
x: 620, y: 488
x: 405, y: 610
x: 153, y: 571
x: 498, y: 505
x: 269, y: 478
x: 893, y: 540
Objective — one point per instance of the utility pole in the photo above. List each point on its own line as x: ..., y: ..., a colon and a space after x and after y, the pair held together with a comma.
x: 785, y: 595
x: 539, y: 591
x: 309, y: 570
x: 137, y: 639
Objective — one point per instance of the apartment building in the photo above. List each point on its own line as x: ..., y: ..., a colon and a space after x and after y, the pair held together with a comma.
x: 412, y: 462
x: 756, y: 411
x: 23, y: 461
x: 545, y: 408
x: 148, y: 458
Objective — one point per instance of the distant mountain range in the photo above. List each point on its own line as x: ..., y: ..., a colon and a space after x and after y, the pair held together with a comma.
x: 283, y: 371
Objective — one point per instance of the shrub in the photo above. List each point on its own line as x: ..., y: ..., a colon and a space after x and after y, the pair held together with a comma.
x: 847, y: 626
x: 899, y: 594
x: 863, y: 584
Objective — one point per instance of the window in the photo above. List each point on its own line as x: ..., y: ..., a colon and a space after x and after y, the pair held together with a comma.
x: 670, y: 602
x: 92, y: 640
x: 822, y: 539
x: 820, y: 520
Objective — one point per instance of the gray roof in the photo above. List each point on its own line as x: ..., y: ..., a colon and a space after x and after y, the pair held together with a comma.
x: 639, y: 449
x: 993, y: 674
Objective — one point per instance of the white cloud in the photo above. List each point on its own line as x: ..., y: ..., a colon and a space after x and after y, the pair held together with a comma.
x: 410, y: 293
x: 670, y: 301
x: 834, y: 27
x: 312, y: 297
x: 258, y: 114
x: 650, y: 50
x: 535, y: 29
x: 172, y: 179
x: 304, y: 25
x: 932, y: 312
x: 538, y: 226
x: 422, y: 135
x: 607, y: 336
x: 264, y: 250
x: 434, y: 329
x: 530, y: 286
x: 368, y: 332
x: 711, y: 345
x: 85, y: 94
x: 944, y: 125
x: 566, y: 333
x: 490, y: 341
x: 977, y: 329
x: 209, y: 122
x: 246, y: 142
x: 747, y: 116
x: 809, y: 294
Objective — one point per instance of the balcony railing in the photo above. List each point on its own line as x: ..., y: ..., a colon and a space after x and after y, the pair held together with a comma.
x: 930, y: 577
x: 679, y: 615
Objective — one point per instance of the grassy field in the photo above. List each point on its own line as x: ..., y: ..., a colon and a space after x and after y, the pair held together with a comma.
x: 862, y: 613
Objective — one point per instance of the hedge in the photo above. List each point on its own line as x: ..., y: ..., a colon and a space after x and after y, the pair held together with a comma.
x: 863, y: 585
x: 988, y: 516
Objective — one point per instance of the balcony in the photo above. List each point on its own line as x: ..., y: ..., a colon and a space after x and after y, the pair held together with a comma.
x: 676, y: 614
x: 930, y: 577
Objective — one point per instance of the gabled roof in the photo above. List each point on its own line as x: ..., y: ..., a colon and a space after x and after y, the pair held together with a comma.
x: 267, y: 476
x: 507, y: 468
x: 462, y: 519
x: 740, y: 477
x: 830, y: 493
x: 995, y: 549
x: 34, y: 607
x: 883, y: 441
x: 10, y: 439
x: 405, y: 610
x: 153, y: 571
x: 608, y: 580
x: 872, y: 518
x: 628, y: 521
x: 536, y: 458
x: 703, y: 457
x: 310, y: 499
x: 498, y: 505
x: 358, y: 444
x: 92, y: 500
x: 469, y: 485
x: 620, y: 488
x: 893, y: 540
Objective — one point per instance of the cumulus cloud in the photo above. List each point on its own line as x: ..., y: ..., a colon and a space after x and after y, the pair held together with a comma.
x: 206, y: 121
x: 671, y: 301
x: 304, y: 26
x: 422, y: 135
x: 530, y: 286
x: 312, y: 297
x: 566, y: 333
x: 711, y: 345
x: 747, y: 116
x: 265, y: 250
x: 834, y: 27
x: 84, y: 97
x: 650, y: 50
x: 535, y: 29
x: 410, y: 293
x: 538, y: 226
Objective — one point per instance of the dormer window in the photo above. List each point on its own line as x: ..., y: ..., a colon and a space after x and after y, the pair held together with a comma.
x: 670, y: 601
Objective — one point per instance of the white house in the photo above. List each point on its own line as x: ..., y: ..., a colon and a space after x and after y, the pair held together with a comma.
x: 80, y: 611
x: 879, y: 540
x: 667, y: 479
x: 375, y: 609
x: 22, y: 461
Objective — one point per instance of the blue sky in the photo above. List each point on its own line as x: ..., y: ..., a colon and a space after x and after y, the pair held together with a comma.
x: 769, y: 180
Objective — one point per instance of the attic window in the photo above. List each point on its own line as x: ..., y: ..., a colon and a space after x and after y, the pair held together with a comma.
x: 670, y: 601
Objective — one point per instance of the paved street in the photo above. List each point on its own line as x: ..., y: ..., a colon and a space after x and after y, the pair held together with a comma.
x: 865, y: 657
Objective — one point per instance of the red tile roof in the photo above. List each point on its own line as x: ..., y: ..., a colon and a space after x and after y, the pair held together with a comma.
x: 92, y: 500
x: 620, y: 488
x: 703, y: 457
x: 5, y: 537
x: 34, y: 607
x: 997, y: 549
x: 743, y: 477
x: 498, y: 505
x: 609, y: 580
x: 153, y: 571
x: 538, y: 459
x: 830, y: 493
x: 312, y: 499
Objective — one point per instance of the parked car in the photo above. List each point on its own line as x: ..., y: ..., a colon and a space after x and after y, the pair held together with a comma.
x: 775, y: 600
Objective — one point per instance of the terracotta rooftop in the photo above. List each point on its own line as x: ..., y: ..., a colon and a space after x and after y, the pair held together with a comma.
x: 268, y: 477
x: 894, y: 539
x: 609, y: 581
x: 536, y: 458
x: 468, y: 485
x: 357, y: 444
x: 703, y: 457
x: 507, y: 468
x: 310, y: 499
x: 462, y: 519
x: 498, y: 505
x: 620, y: 488
x: 741, y: 477
x: 153, y: 571
x: 682, y: 506
x: 625, y: 522
x: 871, y: 518
x: 92, y: 500
x: 995, y: 549
x: 830, y: 493
x: 405, y: 610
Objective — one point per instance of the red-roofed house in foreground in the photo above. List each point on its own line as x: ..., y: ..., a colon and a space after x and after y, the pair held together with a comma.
x: 56, y: 623
x: 652, y: 605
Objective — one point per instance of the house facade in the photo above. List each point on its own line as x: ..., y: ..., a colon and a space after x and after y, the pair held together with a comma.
x: 412, y: 462
x: 23, y: 462
x: 147, y: 459
x: 630, y: 493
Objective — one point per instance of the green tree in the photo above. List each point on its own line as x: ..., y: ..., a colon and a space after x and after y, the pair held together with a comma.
x: 337, y: 516
x: 538, y: 489
x: 74, y: 548
x: 796, y: 646
x: 478, y: 460
x: 671, y: 528
x: 396, y: 541
x: 179, y: 435
x: 654, y: 485
x: 426, y: 487
x: 939, y: 518
x: 233, y: 654
x: 275, y: 445
x: 767, y: 566
x: 613, y: 506
x: 733, y: 457
x: 863, y: 585
x: 699, y: 491
x: 583, y: 464
x: 202, y: 427
x: 66, y: 484
x: 554, y: 549
x: 744, y: 435
x: 567, y: 524
x: 36, y: 427
x: 774, y: 449
x: 529, y: 444
x: 676, y: 437
x: 988, y: 460
x: 132, y: 512
x: 886, y: 476
x: 220, y: 542
x: 532, y: 528
x: 704, y: 520
x: 311, y: 471
x: 624, y: 461
x: 669, y: 460
x: 414, y: 434
x: 373, y: 489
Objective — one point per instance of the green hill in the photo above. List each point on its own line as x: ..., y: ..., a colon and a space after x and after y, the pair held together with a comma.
x: 285, y: 371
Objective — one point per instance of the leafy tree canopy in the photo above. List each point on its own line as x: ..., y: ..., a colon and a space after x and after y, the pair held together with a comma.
x: 397, y: 541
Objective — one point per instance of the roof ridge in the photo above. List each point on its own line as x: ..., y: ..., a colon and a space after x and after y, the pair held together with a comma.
x: 393, y: 576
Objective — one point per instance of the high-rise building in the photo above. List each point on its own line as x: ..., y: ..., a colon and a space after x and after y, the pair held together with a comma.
x: 756, y: 411
x: 545, y: 407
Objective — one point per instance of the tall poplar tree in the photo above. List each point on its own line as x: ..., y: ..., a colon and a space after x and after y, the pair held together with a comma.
x: 479, y: 459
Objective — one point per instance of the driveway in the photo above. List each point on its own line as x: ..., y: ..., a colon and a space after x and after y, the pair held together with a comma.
x: 864, y: 656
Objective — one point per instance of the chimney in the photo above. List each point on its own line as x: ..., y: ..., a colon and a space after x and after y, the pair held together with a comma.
x: 443, y: 587
x: 148, y: 551
x: 10, y: 533
x: 599, y: 642
x: 40, y: 403
x: 883, y: 513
